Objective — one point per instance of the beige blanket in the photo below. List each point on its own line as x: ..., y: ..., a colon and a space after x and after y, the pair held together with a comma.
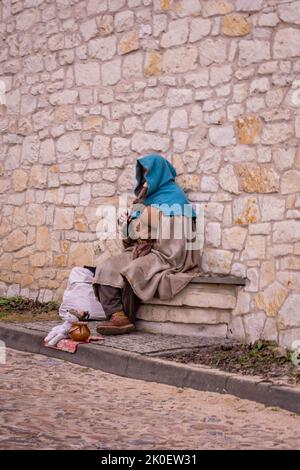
x: 162, y: 273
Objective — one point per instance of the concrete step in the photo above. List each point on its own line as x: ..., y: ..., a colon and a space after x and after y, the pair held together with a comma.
x: 207, y: 296
x: 183, y: 329
x: 200, y: 309
x: 166, y: 313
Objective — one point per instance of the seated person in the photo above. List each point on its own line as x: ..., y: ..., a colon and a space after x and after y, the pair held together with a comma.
x: 157, y: 260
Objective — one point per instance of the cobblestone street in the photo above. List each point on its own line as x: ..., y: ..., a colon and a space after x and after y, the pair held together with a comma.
x: 51, y: 404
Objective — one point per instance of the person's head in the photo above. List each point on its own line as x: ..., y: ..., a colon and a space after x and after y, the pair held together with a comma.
x: 155, y: 170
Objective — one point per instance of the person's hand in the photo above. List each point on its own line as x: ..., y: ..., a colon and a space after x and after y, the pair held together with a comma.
x: 123, y: 218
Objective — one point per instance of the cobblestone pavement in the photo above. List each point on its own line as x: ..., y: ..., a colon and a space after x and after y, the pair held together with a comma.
x: 47, y: 403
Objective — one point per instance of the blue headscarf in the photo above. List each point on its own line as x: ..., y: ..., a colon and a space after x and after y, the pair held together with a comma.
x: 162, y: 192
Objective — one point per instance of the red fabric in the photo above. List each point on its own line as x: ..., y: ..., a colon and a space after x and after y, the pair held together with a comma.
x: 71, y: 346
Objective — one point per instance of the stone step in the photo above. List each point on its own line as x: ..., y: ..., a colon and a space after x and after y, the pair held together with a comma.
x: 200, y: 309
x: 202, y: 295
x: 167, y: 313
x: 183, y: 329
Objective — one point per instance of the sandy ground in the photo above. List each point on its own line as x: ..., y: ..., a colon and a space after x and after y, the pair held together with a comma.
x: 47, y: 403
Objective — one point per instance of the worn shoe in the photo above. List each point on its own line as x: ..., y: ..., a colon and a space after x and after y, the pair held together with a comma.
x: 119, y: 324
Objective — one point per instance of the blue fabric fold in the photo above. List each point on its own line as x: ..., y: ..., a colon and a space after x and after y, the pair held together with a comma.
x: 162, y: 193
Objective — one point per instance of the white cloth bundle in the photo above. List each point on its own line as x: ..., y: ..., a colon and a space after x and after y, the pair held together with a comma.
x: 79, y: 298
x: 61, y: 331
x: 79, y: 295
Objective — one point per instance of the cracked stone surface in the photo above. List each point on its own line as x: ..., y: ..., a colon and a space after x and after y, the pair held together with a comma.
x: 77, y: 407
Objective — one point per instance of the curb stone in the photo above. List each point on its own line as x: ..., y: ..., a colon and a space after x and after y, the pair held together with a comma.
x: 151, y: 369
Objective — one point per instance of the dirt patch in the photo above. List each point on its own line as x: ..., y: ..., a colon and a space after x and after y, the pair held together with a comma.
x: 265, y: 359
x: 19, y: 309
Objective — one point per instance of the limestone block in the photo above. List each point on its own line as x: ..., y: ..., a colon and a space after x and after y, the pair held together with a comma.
x: 158, y: 122
x: 19, y: 180
x: 276, y: 133
x: 64, y: 218
x: 290, y: 182
x: 179, y: 97
x: 286, y: 232
x: 288, y: 337
x: 217, y: 261
x: 289, y: 313
x: 249, y: 5
x: 189, y: 182
x: 212, y: 51
x: 236, y: 25
x: 249, y: 129
x: 47, y: 152
x: 36, y: 214
x: 286, y: 43
x: 101, y: 146
x: 103, y: 189
x: 81, y: 254
x: 272, y: 208
x: 188, y: 8
x: 111, y: 72
x: 228, y: 180
x: 30, y: 149
x: 234, y: 238
x: 254, y: 325
x: 258, y: 179
x: 236, y: 329
x: 270, y: 332
x: 246, y: 211
x: 63, y: 97
x: 200, y: 28
x: 255, y: 247
x: 217, y: 7
x: 129, y: 42
x: 177, y: 33
x: 87, y: 74
x: 106, y: 25
x: 272, y: 298
x: 180, y: 60
x: 133, y: 66
x: 253, y: 51
x: 153, y: 63
x: 14, y: 241
x: 164, y: 313
x: 38, y: 177
x: 120, y: 146
x: 179, y: 119
x: 213, y: 234
x: 43, y: 241
x: 124, y: 20
x: 142, y: 142
x: 222, y: 136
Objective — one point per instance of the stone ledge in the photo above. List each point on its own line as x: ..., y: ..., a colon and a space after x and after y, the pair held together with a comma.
x: 205, y: 296
x: 203, y: 308
x: 183, y: 329
x: 165, y: 313
x: 231, y: 280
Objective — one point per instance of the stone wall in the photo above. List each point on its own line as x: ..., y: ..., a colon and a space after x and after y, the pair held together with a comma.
x: 86, y: 86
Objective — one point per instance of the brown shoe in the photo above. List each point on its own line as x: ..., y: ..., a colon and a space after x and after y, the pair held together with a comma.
x: 119, y: 324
